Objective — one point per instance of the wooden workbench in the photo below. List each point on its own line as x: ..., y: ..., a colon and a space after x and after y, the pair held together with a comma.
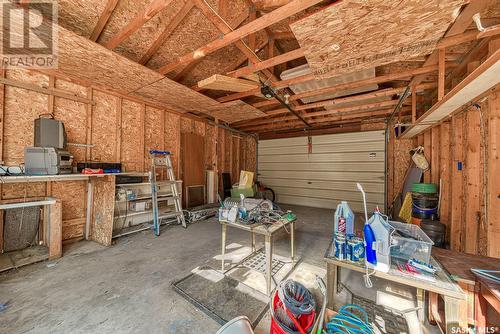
x: 268, y: 231
x: 480, y: 292
x: 48, y: 244
x: 99, y: 202
x: 454, y: 297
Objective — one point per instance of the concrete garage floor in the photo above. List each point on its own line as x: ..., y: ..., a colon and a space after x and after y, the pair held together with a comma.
x: 126, y: 288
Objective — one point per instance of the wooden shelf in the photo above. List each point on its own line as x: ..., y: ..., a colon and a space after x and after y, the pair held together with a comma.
x: 61, y: 177
x: 480, y: 81
x: 143, y: 183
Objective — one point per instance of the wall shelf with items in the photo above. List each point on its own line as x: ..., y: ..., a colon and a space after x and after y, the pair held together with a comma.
x: 133, y: 205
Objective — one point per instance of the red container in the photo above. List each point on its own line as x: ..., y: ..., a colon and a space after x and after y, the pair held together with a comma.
x: 306, y: 321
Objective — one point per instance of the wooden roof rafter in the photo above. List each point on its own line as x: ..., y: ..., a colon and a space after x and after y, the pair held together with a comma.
x: 103, y: 20
x: 260, y: 23
x: 460, y: 25
x: 223, y: 27
x: 167, y: 31
x: 137, y: 22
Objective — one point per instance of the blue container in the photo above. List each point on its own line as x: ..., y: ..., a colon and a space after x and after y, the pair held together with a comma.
x: 340, y: 244
x: 355, y: 249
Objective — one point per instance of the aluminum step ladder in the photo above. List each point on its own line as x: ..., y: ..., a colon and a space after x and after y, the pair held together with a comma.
x: 162, y: 159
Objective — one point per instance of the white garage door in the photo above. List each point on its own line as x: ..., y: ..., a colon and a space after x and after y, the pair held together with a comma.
x: 325, y: 171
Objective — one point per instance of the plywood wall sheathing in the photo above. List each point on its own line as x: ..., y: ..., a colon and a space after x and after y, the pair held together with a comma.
x: 353, y: 35
x: 103, y: 209
x: 120, y: 130
x: 21, y: 108
x: 104, y: 121
x: 132, y: 143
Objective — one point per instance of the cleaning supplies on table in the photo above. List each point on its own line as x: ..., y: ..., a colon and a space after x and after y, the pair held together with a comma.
x: 378, y: 233
x: 344, y: 219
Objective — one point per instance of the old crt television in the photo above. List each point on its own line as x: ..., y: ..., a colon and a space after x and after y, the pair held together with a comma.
x: 49, y: 133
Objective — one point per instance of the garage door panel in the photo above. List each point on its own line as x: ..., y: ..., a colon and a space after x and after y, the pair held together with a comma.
x: 324, y: 157
x: 288, y: 142
x: 347, y: 147
x: 369, y: 187
x: 280, y: 150
x: 319, y: 176
x: 356, y: 206
x: 328, y: 173
x: 321, y: 166
x: 336, y: 195
x: 351, y: 137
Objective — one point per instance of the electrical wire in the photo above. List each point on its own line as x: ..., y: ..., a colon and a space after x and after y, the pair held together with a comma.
x: 346, y: 321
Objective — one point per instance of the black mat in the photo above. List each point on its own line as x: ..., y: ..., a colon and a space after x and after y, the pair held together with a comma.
x: 385, y: 320
x: 220, y: 300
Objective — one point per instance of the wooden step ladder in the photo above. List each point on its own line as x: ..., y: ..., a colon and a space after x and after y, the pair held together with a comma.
x: 162, y: 159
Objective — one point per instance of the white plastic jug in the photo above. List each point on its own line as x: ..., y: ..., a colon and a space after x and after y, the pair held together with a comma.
x: 344, y: 219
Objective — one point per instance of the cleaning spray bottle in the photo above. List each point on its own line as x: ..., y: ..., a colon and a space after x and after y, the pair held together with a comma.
x: 370, y: 254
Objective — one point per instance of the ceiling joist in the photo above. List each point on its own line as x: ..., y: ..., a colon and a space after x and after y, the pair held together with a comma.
x: 260, y: 23
x: 283, y: 58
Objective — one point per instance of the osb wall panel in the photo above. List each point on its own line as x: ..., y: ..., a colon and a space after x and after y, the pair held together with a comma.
x: 173, y: 139
x: 116, y: 123
x: 210, y: 146
x: 104, y: 127
x: 22, y: 190
x: 72, y: 195
x: 228, y: 152
x: 104, y: 197
x: 21, y: 108
x: 251, y: 154
x: 74, y: 116
x: 154, y: 138
x: 132, y: 146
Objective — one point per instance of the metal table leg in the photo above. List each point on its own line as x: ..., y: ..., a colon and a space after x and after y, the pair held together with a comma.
x: 269, y: 262
x: 253, y: 242
x: 421, y: 304
x: 223, y: 250
x: 332, y: 273
x: 292, y: 240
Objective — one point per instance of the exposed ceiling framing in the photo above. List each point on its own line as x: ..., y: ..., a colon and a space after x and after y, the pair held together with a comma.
x: 193, y: 41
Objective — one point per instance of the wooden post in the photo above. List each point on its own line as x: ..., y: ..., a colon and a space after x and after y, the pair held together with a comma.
x: 118, y: 153
x: 472, y: 171
x: 493, y: 165
x: 441, y: 73
x: 88, y: 150
x: 435, y: 155
x: 55, y: 231
x: 427, y: 153
x: 413, y: 104
x: 444, y: 167
x: 142, y: 138
x: 493, y: 180
x: 456, y: 240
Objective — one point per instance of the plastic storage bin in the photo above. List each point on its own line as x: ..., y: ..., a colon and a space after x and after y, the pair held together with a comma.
x: 411, y: 243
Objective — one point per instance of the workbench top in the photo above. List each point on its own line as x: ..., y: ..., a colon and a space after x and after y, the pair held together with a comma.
x: 459, y: 264
x: 443, y: 285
